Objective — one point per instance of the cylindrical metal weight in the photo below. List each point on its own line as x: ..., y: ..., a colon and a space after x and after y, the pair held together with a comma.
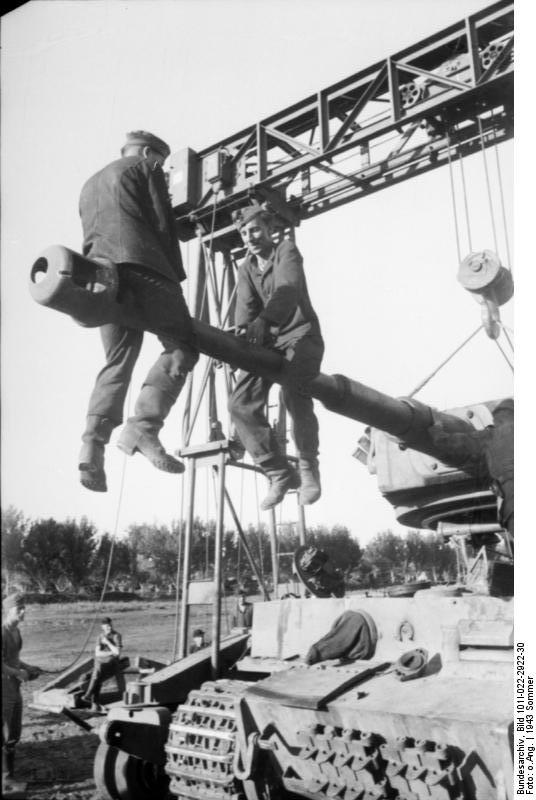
x: 66, y: 281
x: 482, y: 273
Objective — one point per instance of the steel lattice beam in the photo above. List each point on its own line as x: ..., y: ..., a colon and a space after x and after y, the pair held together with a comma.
x: 389, y: 122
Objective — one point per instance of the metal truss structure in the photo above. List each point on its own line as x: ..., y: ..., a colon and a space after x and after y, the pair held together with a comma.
x: 441, y: 98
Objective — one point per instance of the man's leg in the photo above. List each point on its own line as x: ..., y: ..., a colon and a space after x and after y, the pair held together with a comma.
x: 163, y: 308
x: 98, y: 676
x: 11, y: 731
x: 247, y: 408
x: 158, y: 394
x: 119, y: 677
x: 303, y: 366
x: 105, y: 411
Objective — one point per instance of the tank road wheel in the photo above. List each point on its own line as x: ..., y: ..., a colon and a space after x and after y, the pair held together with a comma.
x: 120, y: 776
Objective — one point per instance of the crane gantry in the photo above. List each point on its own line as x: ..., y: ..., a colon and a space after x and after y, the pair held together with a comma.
x: 441, y: 98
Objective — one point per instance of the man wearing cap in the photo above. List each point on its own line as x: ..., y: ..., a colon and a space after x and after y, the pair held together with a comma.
x: 14, y: 672
x: 107, y: 664
x: 198, y: 642
x: 274, y: 309
x: 127, y: 219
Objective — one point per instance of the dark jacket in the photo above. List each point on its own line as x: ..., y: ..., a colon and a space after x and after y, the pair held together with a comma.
x: 127, y: 217
x: 278, y: 294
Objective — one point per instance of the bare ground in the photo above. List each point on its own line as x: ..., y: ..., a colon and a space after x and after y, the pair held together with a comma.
x: 55, y: 756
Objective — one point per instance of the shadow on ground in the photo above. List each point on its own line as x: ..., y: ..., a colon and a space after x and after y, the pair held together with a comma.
x: 59, y: 767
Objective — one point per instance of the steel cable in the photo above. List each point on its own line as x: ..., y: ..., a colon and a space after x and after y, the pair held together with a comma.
x: 466, y: 206
x: 486, y: 172
x: 453, y: 196
x: 446, y: 360
x: 503, y: 209
x: 504, y: 355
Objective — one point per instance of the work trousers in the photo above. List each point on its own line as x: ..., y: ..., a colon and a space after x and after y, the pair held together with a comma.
x: 11, y: 714
x: 248, y: 401
x: 102, y: 670
x: 161, y: 306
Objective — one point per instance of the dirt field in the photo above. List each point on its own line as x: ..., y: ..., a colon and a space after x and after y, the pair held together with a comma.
x: 55, y: 756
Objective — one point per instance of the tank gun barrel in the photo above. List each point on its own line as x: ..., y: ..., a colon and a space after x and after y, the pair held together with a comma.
x: 87, y: 290
x: 407, y: 419
x: 338, y: 393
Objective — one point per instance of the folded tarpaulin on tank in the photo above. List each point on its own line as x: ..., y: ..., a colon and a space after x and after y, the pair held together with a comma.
x: 350, y: 637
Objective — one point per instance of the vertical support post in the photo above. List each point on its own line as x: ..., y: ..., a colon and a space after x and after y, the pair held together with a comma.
x: 472, y: 49
x: 301, y: 523
x: 394, y: 92
x: 245, y: 545
x: 183, y: 637
x: 273, y: 549
x: 262, y: 155
x: 218, y: 546
x: 323, y: 119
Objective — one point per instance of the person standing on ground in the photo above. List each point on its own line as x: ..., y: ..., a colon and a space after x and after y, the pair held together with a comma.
x: 127, y: 219
x: 107, y: 664
x: 274, y: 310
x: 14, y: 672
x: 244, y: 611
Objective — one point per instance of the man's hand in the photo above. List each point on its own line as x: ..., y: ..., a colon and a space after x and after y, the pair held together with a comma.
x: 34, y: 672
x: 258, y: 331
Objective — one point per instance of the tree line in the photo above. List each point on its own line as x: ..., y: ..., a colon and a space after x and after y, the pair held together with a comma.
x: 72, y: 557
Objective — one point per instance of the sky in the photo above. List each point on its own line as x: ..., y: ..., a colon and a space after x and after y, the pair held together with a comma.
x: 381, y: 271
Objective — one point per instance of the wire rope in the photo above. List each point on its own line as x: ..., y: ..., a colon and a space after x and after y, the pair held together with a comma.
x: 106, y: 579
x: 466, y: 206
x: 507, y: 337
x: 504, y: 355
x: 453, y: 196
x: 503, y: 208
x: 488, y: 185
x: 444, y: 362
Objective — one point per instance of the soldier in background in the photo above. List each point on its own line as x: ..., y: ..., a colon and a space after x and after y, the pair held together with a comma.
x: 198, y: 642
x: 244, y: 611
x: 107, y: 664
x: 14, y: 672
x: 127, y: 219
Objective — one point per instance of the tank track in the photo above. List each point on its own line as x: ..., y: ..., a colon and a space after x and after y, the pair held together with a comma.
x: 201, y: 743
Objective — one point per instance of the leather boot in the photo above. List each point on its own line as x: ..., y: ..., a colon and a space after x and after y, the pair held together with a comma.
x: 282, y: 478
x: 149, y: 445
x: 91, y: 458
x: 140, y: 434
x: 310, y: 489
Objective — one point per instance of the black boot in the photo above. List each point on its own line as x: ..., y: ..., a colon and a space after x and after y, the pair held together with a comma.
x: 282, y: 478
x: 91, y: 458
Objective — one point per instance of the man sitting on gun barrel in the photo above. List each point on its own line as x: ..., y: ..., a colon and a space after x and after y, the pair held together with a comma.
x: 274, y: 310
x: 127, y: 219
